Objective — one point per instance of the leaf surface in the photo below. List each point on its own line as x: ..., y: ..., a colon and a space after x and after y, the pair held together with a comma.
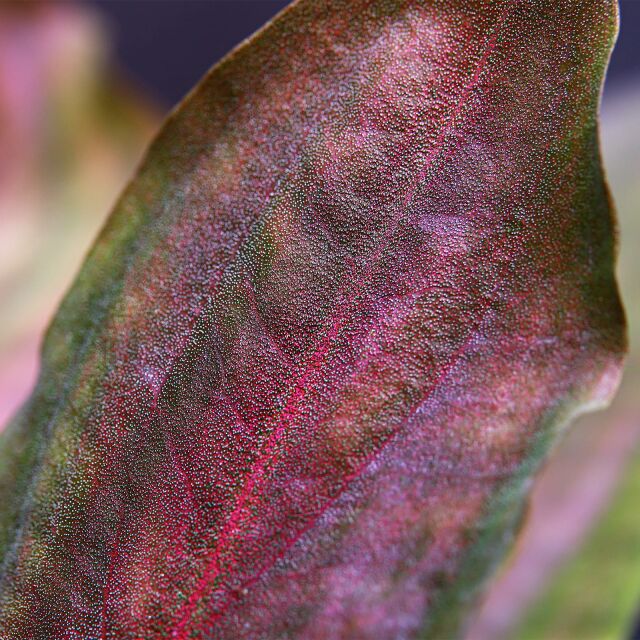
x: 326, y: 335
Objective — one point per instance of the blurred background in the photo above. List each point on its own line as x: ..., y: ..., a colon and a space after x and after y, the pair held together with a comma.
x: 83, y: 88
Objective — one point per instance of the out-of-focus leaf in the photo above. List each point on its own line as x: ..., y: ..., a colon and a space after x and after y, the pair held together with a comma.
x: 588, y: 586
x: 312, y: 360
x: 70, y: 134
x: 597, y: 594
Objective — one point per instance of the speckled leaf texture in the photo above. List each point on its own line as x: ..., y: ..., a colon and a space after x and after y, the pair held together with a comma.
x: 301, y: 382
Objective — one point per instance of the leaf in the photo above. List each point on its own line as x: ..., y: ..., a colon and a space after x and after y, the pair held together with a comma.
x: 327, y: 334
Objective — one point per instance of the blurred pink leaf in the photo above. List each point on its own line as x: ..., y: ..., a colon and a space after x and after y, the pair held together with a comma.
x: 70, y: 134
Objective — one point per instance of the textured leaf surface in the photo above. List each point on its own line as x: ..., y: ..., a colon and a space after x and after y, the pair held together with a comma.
x: 302, y: 377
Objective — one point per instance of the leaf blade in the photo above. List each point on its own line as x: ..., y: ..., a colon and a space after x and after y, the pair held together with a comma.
x: 284, y: 323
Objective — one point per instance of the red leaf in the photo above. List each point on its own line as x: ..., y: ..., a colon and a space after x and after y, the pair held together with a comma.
x: 296, y: 391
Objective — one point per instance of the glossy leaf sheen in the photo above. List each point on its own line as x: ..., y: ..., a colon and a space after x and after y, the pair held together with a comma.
x: 303, y: 375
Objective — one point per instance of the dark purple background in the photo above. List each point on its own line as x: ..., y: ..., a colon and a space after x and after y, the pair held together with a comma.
x: 167, y: 45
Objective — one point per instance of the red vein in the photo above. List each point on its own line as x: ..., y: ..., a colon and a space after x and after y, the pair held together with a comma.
x: 498, y: 475
x: 106, y: 588
x: 363, y: 465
